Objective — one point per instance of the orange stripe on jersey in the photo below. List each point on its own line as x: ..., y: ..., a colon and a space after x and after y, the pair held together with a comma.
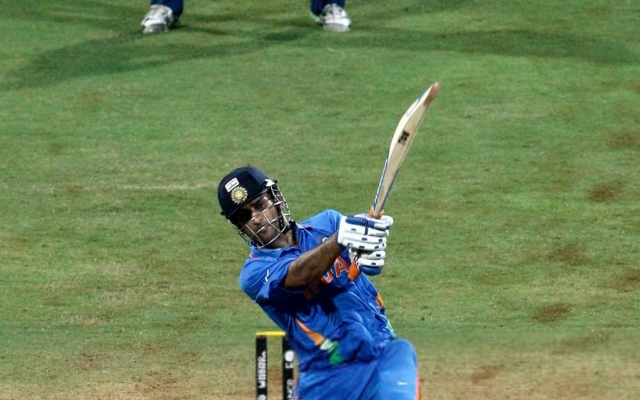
x: 317, y: 338
x: 379, y: 300
x: 418, y: 392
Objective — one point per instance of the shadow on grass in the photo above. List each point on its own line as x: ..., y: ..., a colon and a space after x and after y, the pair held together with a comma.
x: 130, y: 51
x: 550, y: 313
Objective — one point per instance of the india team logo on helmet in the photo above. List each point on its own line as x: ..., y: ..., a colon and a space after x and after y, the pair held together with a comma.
x: 239, y: 194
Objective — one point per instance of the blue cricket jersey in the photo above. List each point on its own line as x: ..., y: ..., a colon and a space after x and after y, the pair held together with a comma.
x: 332, y: 321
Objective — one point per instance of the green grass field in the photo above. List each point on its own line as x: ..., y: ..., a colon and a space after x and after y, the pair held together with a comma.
x: 514, y: 263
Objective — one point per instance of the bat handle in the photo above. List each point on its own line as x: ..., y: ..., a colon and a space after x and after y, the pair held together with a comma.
x: 354, y: 271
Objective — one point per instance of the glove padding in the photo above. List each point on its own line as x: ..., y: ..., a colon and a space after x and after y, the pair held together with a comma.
x: 387, y: 219
x: 362, y: 233
x: 369, y: 262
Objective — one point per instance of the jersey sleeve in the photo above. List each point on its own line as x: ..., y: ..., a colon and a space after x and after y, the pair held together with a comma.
x: 329, y: 220
x: 263, y: 280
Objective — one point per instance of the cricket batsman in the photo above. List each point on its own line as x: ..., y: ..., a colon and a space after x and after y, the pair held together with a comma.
x: 298, y: 274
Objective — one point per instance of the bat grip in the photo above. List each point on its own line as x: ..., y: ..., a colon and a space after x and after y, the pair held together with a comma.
x: 354, y: 271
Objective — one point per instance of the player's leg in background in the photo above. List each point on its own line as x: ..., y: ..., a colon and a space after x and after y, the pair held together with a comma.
x: 162, y: 15
x: 175, y: 5
x: 331, y: 15
x: 398, y: 372
x: 318, y: 5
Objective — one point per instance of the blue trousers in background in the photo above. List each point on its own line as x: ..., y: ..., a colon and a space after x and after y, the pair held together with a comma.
x: 178, y: 5
x: 175, y: 5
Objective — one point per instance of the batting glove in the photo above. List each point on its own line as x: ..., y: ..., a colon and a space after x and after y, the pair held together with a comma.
x: 369, y: 262
x: 362, y: 233
x: 384, y: 219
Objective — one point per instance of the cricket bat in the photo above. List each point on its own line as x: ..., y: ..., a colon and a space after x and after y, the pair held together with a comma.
x: 400, y: 143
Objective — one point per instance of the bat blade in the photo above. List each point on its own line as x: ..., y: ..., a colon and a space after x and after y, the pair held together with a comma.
x: 402, y: 140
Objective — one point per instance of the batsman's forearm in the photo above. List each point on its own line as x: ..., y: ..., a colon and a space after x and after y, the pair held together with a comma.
x: 313, y: 264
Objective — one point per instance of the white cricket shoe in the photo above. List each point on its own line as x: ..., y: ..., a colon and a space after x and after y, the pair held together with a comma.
x: 334, y: 18
x: 158, y: 20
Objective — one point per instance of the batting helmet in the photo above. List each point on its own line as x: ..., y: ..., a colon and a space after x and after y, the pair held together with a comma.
x: 239, y: 187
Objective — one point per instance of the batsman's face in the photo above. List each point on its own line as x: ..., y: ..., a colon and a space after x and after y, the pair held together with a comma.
x: 257, y: 219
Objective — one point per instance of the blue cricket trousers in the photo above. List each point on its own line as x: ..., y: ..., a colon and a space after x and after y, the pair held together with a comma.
x: 391, y: 376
